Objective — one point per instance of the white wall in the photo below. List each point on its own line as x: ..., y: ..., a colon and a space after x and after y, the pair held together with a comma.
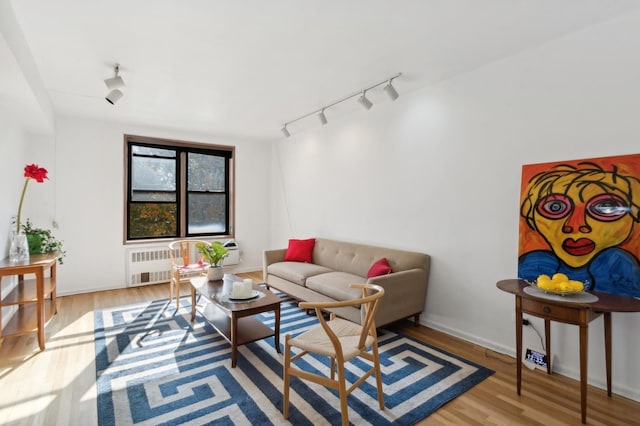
x: 90, y: 200
x: 11, y: 180
x: 438, y: 171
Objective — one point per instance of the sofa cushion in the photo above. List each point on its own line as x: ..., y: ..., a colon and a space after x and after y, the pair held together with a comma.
x: 296, y: 272
x: 300, y: 250
x: 336, y: 285
x: 379, y: 267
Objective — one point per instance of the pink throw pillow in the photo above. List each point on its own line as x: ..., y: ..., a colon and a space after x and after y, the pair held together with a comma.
x: 380, y: 267
x: 300, y: 250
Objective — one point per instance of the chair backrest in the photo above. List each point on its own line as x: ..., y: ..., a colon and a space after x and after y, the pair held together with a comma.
x: 185, y: 251
x: 370, y: 301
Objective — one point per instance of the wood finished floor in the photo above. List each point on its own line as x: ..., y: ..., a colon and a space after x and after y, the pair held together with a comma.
x: 57, y: 386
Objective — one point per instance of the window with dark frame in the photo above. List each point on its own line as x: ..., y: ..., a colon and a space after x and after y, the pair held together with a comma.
x: 177, y: 189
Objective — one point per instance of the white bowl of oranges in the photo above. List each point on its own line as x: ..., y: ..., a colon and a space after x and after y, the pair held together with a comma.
x: 558, y: 284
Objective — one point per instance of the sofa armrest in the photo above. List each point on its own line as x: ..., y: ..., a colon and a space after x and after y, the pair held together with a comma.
x: 405, y: 295
x: 269, y: 257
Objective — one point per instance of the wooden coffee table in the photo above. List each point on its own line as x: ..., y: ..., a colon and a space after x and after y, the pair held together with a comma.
x: 234, y: 319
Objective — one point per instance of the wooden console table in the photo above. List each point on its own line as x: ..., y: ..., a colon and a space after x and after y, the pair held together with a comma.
x: 567, y: 312
x: 35, y: 298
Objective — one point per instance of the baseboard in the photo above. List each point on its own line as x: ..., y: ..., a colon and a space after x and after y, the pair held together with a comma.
x: 471, y: 338
x: 571, y: 373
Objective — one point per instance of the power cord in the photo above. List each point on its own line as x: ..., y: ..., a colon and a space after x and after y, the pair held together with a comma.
x: 525, y: 321
x: 488, y: 353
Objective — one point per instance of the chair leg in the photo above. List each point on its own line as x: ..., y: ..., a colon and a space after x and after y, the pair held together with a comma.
x: 376, y: 364
x: 416, y: 319
x: 285, y: 377
x: 174, y: 288
x: 171, y: 290
x: 342, y: 390
x: 178, y: 295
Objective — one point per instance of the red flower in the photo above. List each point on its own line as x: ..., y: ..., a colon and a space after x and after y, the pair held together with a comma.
x: 34, y: 172
x: 31, y: 171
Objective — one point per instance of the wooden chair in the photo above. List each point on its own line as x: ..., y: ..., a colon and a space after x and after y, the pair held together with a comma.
x: 186, y: 263
x: 341, y: 341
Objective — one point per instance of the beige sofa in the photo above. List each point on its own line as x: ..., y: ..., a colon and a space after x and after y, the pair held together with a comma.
x: 337, y: 264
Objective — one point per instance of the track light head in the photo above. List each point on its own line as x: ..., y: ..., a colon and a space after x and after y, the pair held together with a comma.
x: 322, y: 117
x: 366, y: 103
x: 285, y: 131
x: 115, y: 82
x: 114, y: 96
x: 391, y: 91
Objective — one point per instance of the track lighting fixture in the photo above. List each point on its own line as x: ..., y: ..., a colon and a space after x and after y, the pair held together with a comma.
x: 322, y: 117
x: 362, y: 99
x: 366, y: 103
x: 391, y: 91
x: 114, y: 96
x: 114, y: 84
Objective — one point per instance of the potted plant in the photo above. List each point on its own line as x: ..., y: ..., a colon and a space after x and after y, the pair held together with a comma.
x: 214, y: 254
x: 42, y: 241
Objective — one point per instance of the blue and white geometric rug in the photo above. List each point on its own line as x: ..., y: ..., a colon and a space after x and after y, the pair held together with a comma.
x: 153, y: 366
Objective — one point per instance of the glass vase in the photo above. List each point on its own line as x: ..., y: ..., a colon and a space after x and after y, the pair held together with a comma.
x: 19, y: 248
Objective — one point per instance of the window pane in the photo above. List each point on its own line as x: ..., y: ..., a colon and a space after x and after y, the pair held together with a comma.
x: 154, y: 196
x: 207, y: 213
x: 153, y: 174
x: 152, y: 220
x: 148, y: 151
x: 206, y: 173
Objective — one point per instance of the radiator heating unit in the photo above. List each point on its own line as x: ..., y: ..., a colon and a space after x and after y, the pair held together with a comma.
x: 148, y: 265
x: 152, y: 264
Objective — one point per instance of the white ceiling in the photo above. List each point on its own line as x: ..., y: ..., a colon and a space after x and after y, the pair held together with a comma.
x: 242, y: 68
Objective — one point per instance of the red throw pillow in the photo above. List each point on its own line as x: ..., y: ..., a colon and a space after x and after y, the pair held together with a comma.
x: 300, y: 250
x: 380, y: 267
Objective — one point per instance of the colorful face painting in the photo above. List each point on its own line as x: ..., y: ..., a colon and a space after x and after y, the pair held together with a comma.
x: 581, y: 218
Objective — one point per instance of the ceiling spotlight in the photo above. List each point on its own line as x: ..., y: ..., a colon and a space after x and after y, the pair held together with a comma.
x: 114, y: 96
x: 115, y: 82
x: 322, y: 117
x: 391, y: 91
x: 364, y: 101
x: 285, y: 131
